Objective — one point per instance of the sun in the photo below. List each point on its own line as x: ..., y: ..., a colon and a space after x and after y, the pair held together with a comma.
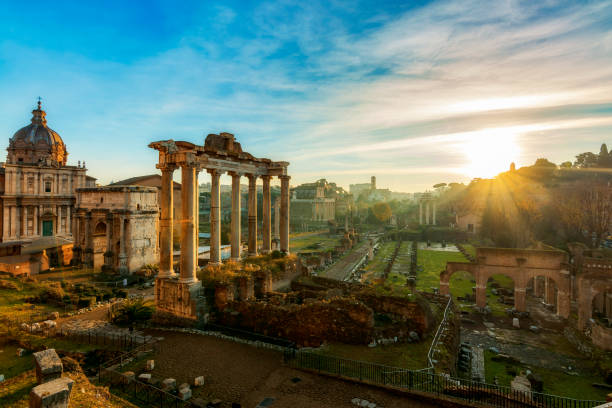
x: 490, y: 154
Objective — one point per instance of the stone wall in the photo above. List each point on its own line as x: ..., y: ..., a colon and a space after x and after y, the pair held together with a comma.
x: 309, y: 324
x: 178, y: 304
x: 602, y: 337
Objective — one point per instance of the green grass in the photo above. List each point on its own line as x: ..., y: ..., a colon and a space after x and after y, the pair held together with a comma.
x: 433, y: 263
x: 403, y: 355
x: 312, y: 241
x: 12, y: 302
x: 470, y: 249
x: 376, y: 266
x: 555, y: 382
x: 10, y: 364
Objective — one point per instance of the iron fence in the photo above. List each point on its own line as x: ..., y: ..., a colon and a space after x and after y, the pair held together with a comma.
x: 429, y: 383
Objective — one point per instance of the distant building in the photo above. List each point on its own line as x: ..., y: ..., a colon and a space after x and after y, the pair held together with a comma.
x: 469, y: 221
x: 37, y: 187
x: 369, y: 192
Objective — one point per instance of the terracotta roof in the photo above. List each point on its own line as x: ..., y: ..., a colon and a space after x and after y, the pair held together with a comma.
x: 136, y: 180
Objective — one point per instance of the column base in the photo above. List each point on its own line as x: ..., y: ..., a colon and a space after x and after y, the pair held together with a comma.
x: 233, y: 259
x: 166, y: 275
x: 178, y: 303
x: 252, y: 254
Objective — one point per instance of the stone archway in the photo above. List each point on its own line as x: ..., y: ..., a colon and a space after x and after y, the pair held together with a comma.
x: 520, y: 265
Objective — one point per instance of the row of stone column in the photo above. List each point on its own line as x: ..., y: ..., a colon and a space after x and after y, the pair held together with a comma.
x: 189, y: 222
x: 15, y: 220
x: 428, y: 204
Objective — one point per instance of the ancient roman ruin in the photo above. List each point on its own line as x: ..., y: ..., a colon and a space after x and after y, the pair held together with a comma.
x: 115, y: 228
x: 220, y: 154
x: 429, y: 202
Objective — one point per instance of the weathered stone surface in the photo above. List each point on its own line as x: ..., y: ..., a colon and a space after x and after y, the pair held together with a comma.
x: 128, y: 377
x: 515, y: 323
x: 150, y: 365
x: 198, y: 381
x: 48, y: 366
x: 20, y: 352
x: 52, y: 394
x: 145, y: 378
x: 53, y: 316
x: 168, y: 384
x: 184, y: 393
x: 1, y: 377
x: 520, y: 384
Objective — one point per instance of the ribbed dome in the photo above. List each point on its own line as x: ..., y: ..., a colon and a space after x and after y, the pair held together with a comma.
x: 37, y: 143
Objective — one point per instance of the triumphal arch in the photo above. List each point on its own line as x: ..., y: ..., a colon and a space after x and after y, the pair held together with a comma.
x: 521, y: 265
x: 176, y: 295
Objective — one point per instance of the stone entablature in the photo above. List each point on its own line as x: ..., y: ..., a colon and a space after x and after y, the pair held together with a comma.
x: 220, y: 154
x: 116, y: 227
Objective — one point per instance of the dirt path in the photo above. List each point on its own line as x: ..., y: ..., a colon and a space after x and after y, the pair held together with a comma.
x: 344, y: 265
x: 237, y: 372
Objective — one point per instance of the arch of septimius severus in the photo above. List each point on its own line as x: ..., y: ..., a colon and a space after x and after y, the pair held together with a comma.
x: 220, y: 154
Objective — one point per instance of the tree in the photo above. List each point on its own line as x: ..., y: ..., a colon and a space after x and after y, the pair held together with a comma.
x: 566, y: 165
x: 542, y: 162
x: 586, y: 160
x: 605, y: 158
x: 587, y: 209
x: 133, y: 312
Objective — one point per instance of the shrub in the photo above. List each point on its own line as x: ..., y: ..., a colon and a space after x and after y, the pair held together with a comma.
x: 133, y: 312
x: 87, y: 301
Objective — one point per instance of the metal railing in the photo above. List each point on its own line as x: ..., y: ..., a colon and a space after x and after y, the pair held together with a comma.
x: 429, y: 383
x: 436, y: 339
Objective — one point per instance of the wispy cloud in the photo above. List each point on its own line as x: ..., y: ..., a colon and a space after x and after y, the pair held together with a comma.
x: 359, y: 88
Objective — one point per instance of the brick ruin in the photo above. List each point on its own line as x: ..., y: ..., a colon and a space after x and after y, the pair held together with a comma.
x: 319, y: 310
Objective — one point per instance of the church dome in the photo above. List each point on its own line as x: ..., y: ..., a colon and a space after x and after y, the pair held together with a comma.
x: 37, y: 143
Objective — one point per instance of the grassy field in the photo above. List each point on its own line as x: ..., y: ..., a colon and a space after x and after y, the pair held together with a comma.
x: 312, y: 241
x: 374, y: 268
x: 403, y: 355
x: 555, y: 382
x: 12, y: 301
x: 433, y: 263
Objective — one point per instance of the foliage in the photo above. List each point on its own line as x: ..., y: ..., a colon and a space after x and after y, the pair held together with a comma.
x: 133, y: 312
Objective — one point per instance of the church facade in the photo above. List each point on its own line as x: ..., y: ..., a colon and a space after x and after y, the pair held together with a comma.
x: 37, y: 187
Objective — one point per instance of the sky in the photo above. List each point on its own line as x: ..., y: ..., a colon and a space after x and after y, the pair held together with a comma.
x: 412, y: 92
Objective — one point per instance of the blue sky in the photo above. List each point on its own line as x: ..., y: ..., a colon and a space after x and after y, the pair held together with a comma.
x: 415, y: 93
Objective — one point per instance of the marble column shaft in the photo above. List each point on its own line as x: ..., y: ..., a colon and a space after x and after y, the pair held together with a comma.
x: 188, y: 262
x: 215, y: 218
x: 166, y: 224
x: 266, y: 215
x: 235, y: 224
x: 252, y: 215
x: 284, y: 214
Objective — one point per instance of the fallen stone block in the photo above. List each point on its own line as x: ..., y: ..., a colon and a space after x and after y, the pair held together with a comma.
x: 184, y: 393
x: 515, y: 323
x: 145, y: 378
x: 150, y: 365
x: 371, y: 405
x: 356, y: 401
x: 52, y: 394
x: 168, y: 384
x: 20, y: 352
x: 128, y: 377
x: 1, y: 377
x: 364, y: 403
x: 198, y: 381
x: 53, y: 316
x: 48, y: 366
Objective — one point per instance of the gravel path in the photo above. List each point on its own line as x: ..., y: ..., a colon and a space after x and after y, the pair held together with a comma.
x: 343, y: 266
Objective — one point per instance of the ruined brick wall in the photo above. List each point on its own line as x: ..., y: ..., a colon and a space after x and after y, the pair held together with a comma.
x: 602, y: 337
x: 413, y: 313
x: 309, y: 324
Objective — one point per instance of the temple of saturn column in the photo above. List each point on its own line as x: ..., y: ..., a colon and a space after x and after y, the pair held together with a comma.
x: 429, y: 202
x: 176, y: 295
